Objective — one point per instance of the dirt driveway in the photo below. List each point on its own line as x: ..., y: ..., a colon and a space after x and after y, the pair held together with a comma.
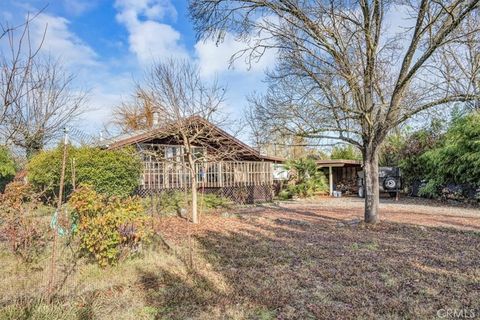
x: 406, y: 210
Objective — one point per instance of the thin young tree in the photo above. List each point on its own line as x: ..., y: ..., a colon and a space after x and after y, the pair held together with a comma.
x: 341, y: 74
x: 48, y: 103
x: 186, y: 106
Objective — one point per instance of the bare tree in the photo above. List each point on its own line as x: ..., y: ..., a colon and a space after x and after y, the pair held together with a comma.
x: 341, y: 74
x: 16, y: 58
x: 460, y: 59
x: 136, y: 114
x: 48, y: 101
x: 186, y: 107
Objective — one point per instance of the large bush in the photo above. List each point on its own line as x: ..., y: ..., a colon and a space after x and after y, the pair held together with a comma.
x: 305, y: 179
x: 446, y: 157
x: 7, y: 167
x: 456, y: 160
x: 109, y: 228
x: 19, y: 228
x: 110, y: 172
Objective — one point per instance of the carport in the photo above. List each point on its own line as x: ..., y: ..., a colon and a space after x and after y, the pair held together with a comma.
x: 340, y: 171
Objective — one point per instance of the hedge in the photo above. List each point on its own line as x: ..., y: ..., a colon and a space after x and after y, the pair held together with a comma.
x: 110, y: 172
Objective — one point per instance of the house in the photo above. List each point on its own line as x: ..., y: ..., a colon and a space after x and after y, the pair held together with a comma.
x: 223, y: 164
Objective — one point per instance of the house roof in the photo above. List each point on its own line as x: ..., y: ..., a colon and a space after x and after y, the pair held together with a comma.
x: 140, y: 136
x: 339, y: 163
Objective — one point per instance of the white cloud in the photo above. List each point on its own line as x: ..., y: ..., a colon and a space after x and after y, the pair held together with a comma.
x: 60, y: 42
x: 105, y: 85
x: 78, y: 7
x: 150, y: 39
x: 215, y: 58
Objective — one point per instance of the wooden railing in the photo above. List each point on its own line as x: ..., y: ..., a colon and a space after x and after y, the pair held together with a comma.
x: 172, y: 175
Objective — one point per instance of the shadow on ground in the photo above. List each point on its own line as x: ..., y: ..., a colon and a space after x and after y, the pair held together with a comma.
x: 299, y: 265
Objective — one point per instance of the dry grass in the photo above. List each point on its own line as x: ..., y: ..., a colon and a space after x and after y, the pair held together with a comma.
x: 306, y: 264
x: 264, y: 263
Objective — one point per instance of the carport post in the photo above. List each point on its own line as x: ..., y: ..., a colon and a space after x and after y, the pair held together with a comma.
x: 330, y: 180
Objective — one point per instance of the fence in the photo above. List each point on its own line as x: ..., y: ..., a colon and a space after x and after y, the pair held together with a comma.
x: 241, y: 181
x: 173, y: 175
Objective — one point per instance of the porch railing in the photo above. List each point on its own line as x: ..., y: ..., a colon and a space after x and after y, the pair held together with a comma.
x: 172, y: 175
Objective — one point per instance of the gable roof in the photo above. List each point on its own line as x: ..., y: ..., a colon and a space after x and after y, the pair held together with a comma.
x: 140, y: 136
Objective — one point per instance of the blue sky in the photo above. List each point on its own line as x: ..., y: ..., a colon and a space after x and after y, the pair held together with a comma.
x: 107, y: 45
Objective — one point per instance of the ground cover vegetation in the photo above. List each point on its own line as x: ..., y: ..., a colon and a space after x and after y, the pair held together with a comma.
x: 258, y: 263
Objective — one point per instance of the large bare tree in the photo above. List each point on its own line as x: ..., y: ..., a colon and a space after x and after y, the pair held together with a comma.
x: 341, y: 73
x: 460, y: 60
x: 186, y: 106
x: 48, y: 102
x: 17, y: 55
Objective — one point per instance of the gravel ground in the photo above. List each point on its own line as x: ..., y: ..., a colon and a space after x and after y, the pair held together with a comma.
x: 406, y: 210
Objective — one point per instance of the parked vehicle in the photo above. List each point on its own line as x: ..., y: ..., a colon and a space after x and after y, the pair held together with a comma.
x: 389, y: 181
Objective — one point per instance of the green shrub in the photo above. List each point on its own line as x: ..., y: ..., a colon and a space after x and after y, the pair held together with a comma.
x: 442, y: 155
x: 285, y: 194
x: 170, y: 203
x: 110, y: 172
x: 109, y: 228
x: 457, y: 158
x: 7, y: 167
x: 345, y: 152
x: 430, y: 190
x: 306, y: 179
x: 213, y: 201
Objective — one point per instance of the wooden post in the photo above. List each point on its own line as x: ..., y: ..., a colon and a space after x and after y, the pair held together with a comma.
x: 330, y: 180
x: 73, y: 175
x: 59, y: 209
x: 220, y: 174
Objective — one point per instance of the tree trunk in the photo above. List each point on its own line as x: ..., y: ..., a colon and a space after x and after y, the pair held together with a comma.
x: 32, y: 148
x: 193, y: 179
x: 372, y: 191
x: 194, y: 199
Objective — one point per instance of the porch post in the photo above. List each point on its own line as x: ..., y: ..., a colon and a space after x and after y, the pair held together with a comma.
x: 330, y: 180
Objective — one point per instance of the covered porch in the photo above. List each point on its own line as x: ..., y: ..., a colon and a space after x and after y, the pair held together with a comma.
x: 161, y: 175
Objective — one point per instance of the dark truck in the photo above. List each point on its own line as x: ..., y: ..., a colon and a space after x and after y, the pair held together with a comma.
x: 389, y: 181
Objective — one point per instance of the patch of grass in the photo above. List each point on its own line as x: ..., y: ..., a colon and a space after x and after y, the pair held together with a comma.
x: 370, y: 246
x: 389, y: 281
x: 265, y: 314
x: 170, y: 203
x: 37, y: 310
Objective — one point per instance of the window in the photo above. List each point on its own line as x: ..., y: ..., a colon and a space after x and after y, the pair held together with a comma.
x: 151, y: 152
x: 173, y: 153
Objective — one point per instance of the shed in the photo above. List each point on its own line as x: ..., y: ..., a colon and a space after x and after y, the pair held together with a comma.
x: 342, y: 174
